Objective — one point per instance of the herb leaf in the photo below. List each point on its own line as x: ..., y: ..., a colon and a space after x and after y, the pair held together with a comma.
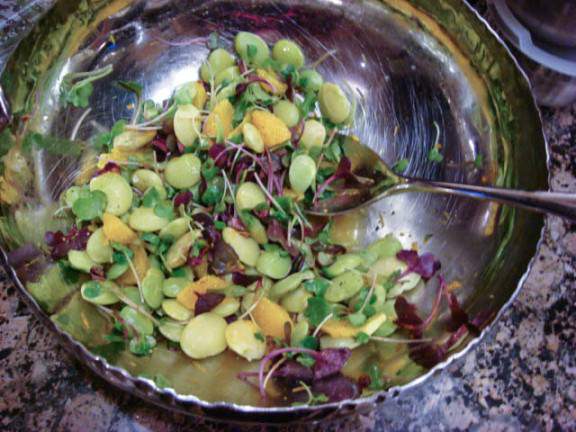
x: 400, y: 166
x: 318, y: 309
x: 90, y: 206
x: 53, y: 145
x: 435, y: 155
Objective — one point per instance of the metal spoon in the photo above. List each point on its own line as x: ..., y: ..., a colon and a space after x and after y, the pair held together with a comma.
x: 378, y: 181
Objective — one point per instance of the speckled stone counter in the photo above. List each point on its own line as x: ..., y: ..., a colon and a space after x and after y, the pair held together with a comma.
x: 521, y: 376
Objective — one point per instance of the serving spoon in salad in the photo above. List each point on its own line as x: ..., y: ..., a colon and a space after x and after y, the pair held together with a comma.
x: 372, y: 180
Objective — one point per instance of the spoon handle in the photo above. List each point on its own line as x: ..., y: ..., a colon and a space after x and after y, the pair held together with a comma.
x: 556, y: 203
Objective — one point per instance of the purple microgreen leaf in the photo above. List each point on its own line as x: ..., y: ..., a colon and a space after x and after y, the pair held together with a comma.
x: 336, y: 388
x: 330, y: 362
x: 207, y: 302
x: 426, y: 265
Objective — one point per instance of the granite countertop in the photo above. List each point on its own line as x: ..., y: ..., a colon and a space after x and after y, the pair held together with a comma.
x: 521, y: 376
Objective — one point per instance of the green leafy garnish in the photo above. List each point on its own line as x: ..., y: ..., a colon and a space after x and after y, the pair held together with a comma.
x: 376, y: 380
x: 142, y: 345
x: 362, y: 338
x: 479, y: 161
x: 103, y: 142
x: 259, y: 336
x: 357, y: 319
x: 306, y: 360
x: 317, y: 286
x: 90, y: 205
x: 251, y: 52
x: 435, y: 155
x: 78, y: 93
x: 317, y: 310
x: 400, y: 166
x: 53, y: 145
x: 131, y: 86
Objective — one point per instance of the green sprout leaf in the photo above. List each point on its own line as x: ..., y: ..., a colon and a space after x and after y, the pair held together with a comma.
x: 90, y: 206
x: 131, y: 86
x: 400, y: 166
x: 317, y: 310
x: 317, y: 286
x: 435, y: 155
x: 53, y: 145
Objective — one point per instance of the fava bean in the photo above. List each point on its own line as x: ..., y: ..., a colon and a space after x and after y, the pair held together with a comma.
x: 327, y: 342
x: 175, y: 229
x: 183, y: 172
x: 186, y: 93
x: 296, y: 301
x: 99, y: 292
x: 187, y: 124
x: 144, y: 179
x: 276, y: 264
x: 178, y: 252
x: 252, y: 138
x: 152, y: 287
x: 132, y: 293
x: 132, y: 140
x: 287, y: 112
x: 172, y: 286
x: 344, y: 263
x: 241, y: 338
x: 255, y: 227
x: 313, y: 136
x: 345, y: 286
x: 80, y: 260
x: 246, y: 248
x: 287, y: 51
x: 98, y: 247
x: 302, y: 173
x: 204, y: 336
x: 249, y: 196
x: 389, y: 326
x: 333, y: 103
x: 387, y: 246
x: 118, y: 192
x: 385, y: 267
x: 228, y: 75
x: 299, y: 332
x: 141, y: 323
x: 289, y: 284
x: 176, y: 310
x: 406, y: 283
x: 257, y: 55
x: 311, y: 80
x: 228, y: 306
x: 171, y: 330
x: 144, y: 219
x: 218, y: 60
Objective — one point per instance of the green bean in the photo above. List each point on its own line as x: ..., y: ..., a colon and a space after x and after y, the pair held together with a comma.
x: 118, y: 192
x: 98, y: 293
x: 275, y: 263
x: 218, y: 60
x: 302, y: 173
x: 144, y: 219
x: 204, y: 336
x: 144, y: 179
x: 344, y: 263
x: 172, y: 286
x: 176, y: 310
x: 333, y: 103
x: 175, y: 229
x: 289, y: 284
x: 313, y: 136
x: 287, y: 51
x: 171, y: 330
x: 256, y: 55
x: 178, y: 252
x: 252, y: 138
x: 132, y: 140
x: 344, y: 286
x: 152, y: 287
x: 249, y: 196
x: 98, y: 247
x: 187, y: 124
x: 141, y: 323
x: 228, y: 75
x: 183, y: 172
x: 296, y: 301
x: 80, y: 260
x: 310, y: 80
x: 287, y: 112
x: 241, y: 338
x: 246, y: 248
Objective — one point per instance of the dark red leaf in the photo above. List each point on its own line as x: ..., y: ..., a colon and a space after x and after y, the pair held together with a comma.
x: 277, y: 233
x: 336, y: 388
x: 330, y: 362
x: 342, y: 171
x: 224, y: 259
x: 407, y: 314
x: 182, y: 198
x: 292, y: 370
x: 97, y: 273
x: 426, y: 265
x: 109, y: 167
x: 60, y: 243
x: 207, y: 302
x: 428, y: 354
x: 243, y: 279
x: 25, y: 253
x: 219, y: 154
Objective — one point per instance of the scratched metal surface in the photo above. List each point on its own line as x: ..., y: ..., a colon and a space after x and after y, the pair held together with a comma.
x: 407, y: 75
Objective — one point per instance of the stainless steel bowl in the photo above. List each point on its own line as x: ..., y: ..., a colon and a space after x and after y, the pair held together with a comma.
x: 412, y: 63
